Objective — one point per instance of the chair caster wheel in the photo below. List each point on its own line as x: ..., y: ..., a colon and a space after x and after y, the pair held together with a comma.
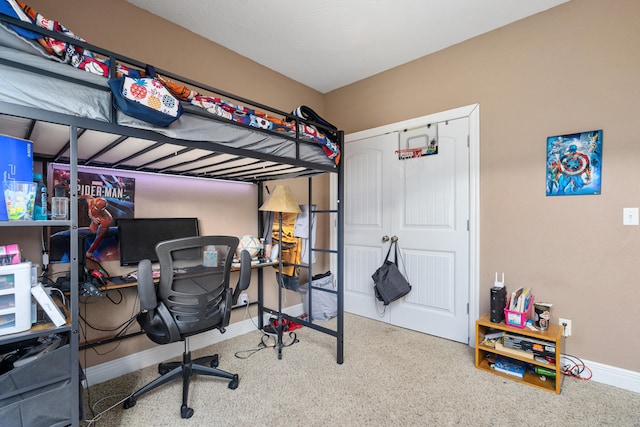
x: 214, y: 361
x: 129, y: 403
x: 233, y: 384
x: 186, y: 412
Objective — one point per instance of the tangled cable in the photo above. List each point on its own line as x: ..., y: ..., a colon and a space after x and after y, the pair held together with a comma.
x: 574, y: 367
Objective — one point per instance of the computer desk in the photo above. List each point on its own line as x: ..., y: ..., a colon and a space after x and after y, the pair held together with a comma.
x: 111, y: 286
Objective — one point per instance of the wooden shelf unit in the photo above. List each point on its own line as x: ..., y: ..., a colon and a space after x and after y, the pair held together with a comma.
x: 553, y: 335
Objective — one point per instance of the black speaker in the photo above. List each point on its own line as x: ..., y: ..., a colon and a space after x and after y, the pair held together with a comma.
x: 498, y: 301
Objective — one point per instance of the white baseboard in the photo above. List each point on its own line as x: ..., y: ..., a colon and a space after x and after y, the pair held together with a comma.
x: 617, y: 377
x: 109, y: 370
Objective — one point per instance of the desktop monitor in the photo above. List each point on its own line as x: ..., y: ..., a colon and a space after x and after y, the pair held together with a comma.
x: 60, y: 246
x: 138, y: 237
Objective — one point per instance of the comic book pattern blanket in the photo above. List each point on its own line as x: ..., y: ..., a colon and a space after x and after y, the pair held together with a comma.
x: 258, y: 119
x: 68, y: 53
x: 86, y: 60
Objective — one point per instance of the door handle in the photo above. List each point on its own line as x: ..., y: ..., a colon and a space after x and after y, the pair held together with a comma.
x: 394, y: 239
x: 385, y: 238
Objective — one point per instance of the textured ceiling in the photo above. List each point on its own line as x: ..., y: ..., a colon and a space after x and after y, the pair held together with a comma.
x: 331, y: 43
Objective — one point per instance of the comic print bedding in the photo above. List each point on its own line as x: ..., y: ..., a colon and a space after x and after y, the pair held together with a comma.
x: 258, y: 119
x: 86, y: 60
x: 64, y: 52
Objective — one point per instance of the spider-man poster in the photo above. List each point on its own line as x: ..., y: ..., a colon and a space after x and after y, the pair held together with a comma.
x: 574, y: 164
x: 102, y: 198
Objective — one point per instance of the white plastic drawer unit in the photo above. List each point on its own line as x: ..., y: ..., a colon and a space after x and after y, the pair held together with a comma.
x: 15, y: 298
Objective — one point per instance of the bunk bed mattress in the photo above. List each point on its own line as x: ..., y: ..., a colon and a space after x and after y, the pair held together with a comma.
x: 30, y: 89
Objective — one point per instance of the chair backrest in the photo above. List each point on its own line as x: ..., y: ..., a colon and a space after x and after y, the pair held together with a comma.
x: 194, y: 281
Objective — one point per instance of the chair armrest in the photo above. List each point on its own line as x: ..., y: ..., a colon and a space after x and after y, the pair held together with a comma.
x: 146, y: 287
x: 245, y: 275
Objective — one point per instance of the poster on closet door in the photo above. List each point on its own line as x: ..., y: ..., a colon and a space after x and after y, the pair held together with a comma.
x: 103, y: 197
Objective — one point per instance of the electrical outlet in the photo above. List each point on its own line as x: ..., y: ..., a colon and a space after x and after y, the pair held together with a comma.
x: 565, y: 324
x: 243, y: 299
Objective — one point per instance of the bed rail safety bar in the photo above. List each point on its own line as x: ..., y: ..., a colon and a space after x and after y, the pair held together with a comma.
x: 52, y: 74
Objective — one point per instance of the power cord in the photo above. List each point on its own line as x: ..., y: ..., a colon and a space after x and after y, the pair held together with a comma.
x: 45, y: 253
x: 245, y: 354
x: 110, y: 298
x: 384, y: 308
x: 100, y: 414
x: 121, y: 329
x: 62, y: 297
x: 118, y: 328
x: 266, y: 340
x: 573, y: 366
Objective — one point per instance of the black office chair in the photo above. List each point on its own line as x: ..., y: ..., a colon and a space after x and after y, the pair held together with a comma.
x: 193, y: 296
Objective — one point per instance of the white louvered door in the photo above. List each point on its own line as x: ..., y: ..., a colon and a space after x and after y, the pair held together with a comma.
x: 425, y: 203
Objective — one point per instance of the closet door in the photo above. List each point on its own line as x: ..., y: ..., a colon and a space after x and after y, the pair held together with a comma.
x: 424, y: 202
x: 370, y: 176
x: 430, y: 217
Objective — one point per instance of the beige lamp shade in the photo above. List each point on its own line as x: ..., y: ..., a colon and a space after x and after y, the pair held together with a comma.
x: 281, y: 200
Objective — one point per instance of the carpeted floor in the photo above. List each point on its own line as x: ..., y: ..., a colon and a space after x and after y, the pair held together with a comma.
x: 390, y: 376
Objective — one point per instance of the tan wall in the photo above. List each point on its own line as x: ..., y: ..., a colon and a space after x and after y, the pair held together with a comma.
x: 573, y: 68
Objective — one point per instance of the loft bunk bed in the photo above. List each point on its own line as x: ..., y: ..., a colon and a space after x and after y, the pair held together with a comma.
x: 42, y: 97
x: 36, y: 84
x: 69, y: 115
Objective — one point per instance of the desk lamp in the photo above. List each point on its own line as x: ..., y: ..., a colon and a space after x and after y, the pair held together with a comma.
x: 281, y: 201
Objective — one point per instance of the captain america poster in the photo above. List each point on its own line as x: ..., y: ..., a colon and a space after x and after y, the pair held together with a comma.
x: 574, y: 164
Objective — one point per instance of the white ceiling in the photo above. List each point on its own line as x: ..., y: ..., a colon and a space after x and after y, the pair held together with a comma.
x: 328, y: 44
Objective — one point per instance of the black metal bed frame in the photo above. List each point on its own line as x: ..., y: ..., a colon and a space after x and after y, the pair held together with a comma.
x: 255, y: 174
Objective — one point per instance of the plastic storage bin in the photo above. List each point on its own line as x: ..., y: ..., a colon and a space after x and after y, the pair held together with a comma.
x: 324, y: 305
x: 517, y: 319
x: 15, y: 298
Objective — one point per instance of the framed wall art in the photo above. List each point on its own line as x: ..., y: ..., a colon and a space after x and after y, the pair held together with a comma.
x: 574, y: 164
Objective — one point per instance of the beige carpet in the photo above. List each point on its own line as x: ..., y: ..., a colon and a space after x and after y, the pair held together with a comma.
x: 390, y: 376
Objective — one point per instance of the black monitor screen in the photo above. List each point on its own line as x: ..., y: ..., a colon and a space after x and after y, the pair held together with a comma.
x: 138, y: 237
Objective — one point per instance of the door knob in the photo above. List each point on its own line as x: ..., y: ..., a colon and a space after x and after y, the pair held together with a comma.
x: 394, y: 239
x: 385, y: 238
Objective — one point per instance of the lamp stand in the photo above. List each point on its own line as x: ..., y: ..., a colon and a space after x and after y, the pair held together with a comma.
x: 280, y: 326
x: 280, y: 201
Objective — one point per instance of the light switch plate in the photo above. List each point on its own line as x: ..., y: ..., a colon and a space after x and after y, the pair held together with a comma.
x: 630, y: 216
